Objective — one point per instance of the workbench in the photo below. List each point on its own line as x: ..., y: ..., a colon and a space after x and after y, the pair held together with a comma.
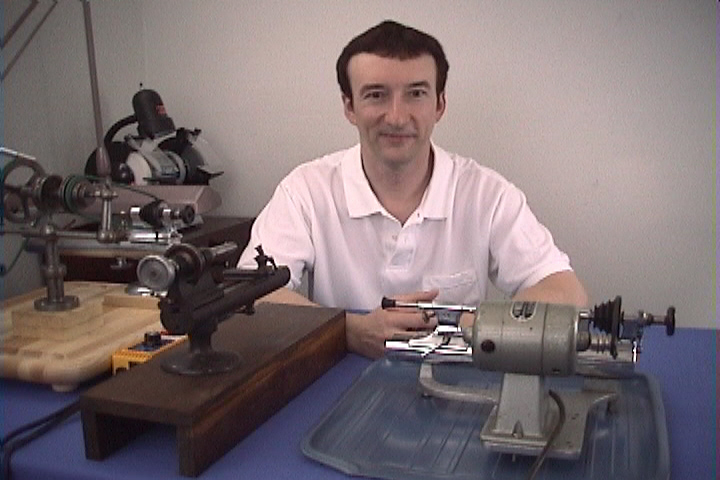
x: 685, y: 367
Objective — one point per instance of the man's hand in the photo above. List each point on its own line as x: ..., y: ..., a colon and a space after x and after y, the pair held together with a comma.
x: 366, y: 334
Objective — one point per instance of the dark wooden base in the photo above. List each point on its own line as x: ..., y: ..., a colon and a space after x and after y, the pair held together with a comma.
x: 96, y: 266
x: 283, y: 349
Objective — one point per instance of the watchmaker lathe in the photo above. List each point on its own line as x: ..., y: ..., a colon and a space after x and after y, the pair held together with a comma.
x: 199, y: 292
x: 530, y: 341
x: 34, y: 199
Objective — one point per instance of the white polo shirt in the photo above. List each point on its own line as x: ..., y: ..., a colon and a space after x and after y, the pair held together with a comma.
x: 472, y: 226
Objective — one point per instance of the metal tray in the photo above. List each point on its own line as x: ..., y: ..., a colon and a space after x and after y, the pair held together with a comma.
x: 383, y: 427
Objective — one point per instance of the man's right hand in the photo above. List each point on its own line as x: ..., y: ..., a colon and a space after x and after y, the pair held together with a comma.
x: 366, y: 334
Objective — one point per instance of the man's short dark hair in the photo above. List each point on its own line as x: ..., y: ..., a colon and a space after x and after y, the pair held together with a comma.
x: 390, y: 39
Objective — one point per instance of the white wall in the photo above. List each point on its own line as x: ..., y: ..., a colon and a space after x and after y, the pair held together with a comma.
x: 600, y: 111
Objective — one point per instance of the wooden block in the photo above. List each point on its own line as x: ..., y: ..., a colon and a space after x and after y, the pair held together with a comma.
x: 95, y: 300
x: 28, y: 317
x: 123, y: 300
x: 60, y: 325
x: 284, y: 348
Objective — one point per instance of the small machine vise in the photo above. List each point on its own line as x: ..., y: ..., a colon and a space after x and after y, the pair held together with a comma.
x: 529, y: 341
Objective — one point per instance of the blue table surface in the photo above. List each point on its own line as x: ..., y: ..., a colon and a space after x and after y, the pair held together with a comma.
x: 684, y: 365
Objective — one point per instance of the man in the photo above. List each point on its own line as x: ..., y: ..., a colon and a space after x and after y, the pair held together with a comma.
x: 397, y: 215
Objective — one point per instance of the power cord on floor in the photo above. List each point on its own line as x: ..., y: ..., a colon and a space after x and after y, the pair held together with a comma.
x: 556, y: 431
x: 25, y: 434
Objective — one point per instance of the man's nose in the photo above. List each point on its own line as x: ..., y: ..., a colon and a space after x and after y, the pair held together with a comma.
x: 397, y: 113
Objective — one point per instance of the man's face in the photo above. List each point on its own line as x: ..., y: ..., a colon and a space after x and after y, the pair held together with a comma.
x: 394, y: 106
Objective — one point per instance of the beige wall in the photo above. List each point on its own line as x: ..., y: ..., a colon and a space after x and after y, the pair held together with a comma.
x: 602, y: 112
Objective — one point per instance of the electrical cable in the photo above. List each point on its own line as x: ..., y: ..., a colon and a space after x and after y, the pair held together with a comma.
x: 71, y: 408
x: 124, y: 187
x: 15, y: 440
x: 556, y: 431
x: 5, y: 270
x: 119, y: 125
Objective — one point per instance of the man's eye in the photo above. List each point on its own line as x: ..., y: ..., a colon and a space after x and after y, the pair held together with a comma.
x: 375, y: 95
x: 418, y: 93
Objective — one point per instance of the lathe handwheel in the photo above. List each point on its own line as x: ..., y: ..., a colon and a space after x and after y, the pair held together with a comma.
x: 19, y: 207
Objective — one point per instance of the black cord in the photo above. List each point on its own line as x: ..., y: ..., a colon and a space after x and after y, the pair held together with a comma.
x: 14, y: 440
x: 6, y: 269
x: 556, y: 431
x: 119, y: 125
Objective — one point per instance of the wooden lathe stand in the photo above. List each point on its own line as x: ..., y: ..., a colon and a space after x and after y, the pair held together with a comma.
x: 284, y: 348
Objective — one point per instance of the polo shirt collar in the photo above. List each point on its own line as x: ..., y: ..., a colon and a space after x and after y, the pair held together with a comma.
x: 436, y: 202
x: 362, y: 202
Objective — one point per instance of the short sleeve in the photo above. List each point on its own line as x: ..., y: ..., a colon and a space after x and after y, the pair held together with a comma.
x: 282, y: 230
x: 522, y: 250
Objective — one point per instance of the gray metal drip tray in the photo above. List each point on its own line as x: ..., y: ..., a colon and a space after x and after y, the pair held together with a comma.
x: 383, y: 427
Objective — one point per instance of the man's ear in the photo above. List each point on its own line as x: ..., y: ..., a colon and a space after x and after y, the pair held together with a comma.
x: 441, y: 105
x: 348, y: 108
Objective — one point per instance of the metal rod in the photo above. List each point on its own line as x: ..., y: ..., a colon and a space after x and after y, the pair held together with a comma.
x: 392, y: 303
x: 85, y: 244
x: 101, y: 157
x: 15, y: 26
x: 22, y: 48
x: 15, y: 154
x: 238, y: 296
